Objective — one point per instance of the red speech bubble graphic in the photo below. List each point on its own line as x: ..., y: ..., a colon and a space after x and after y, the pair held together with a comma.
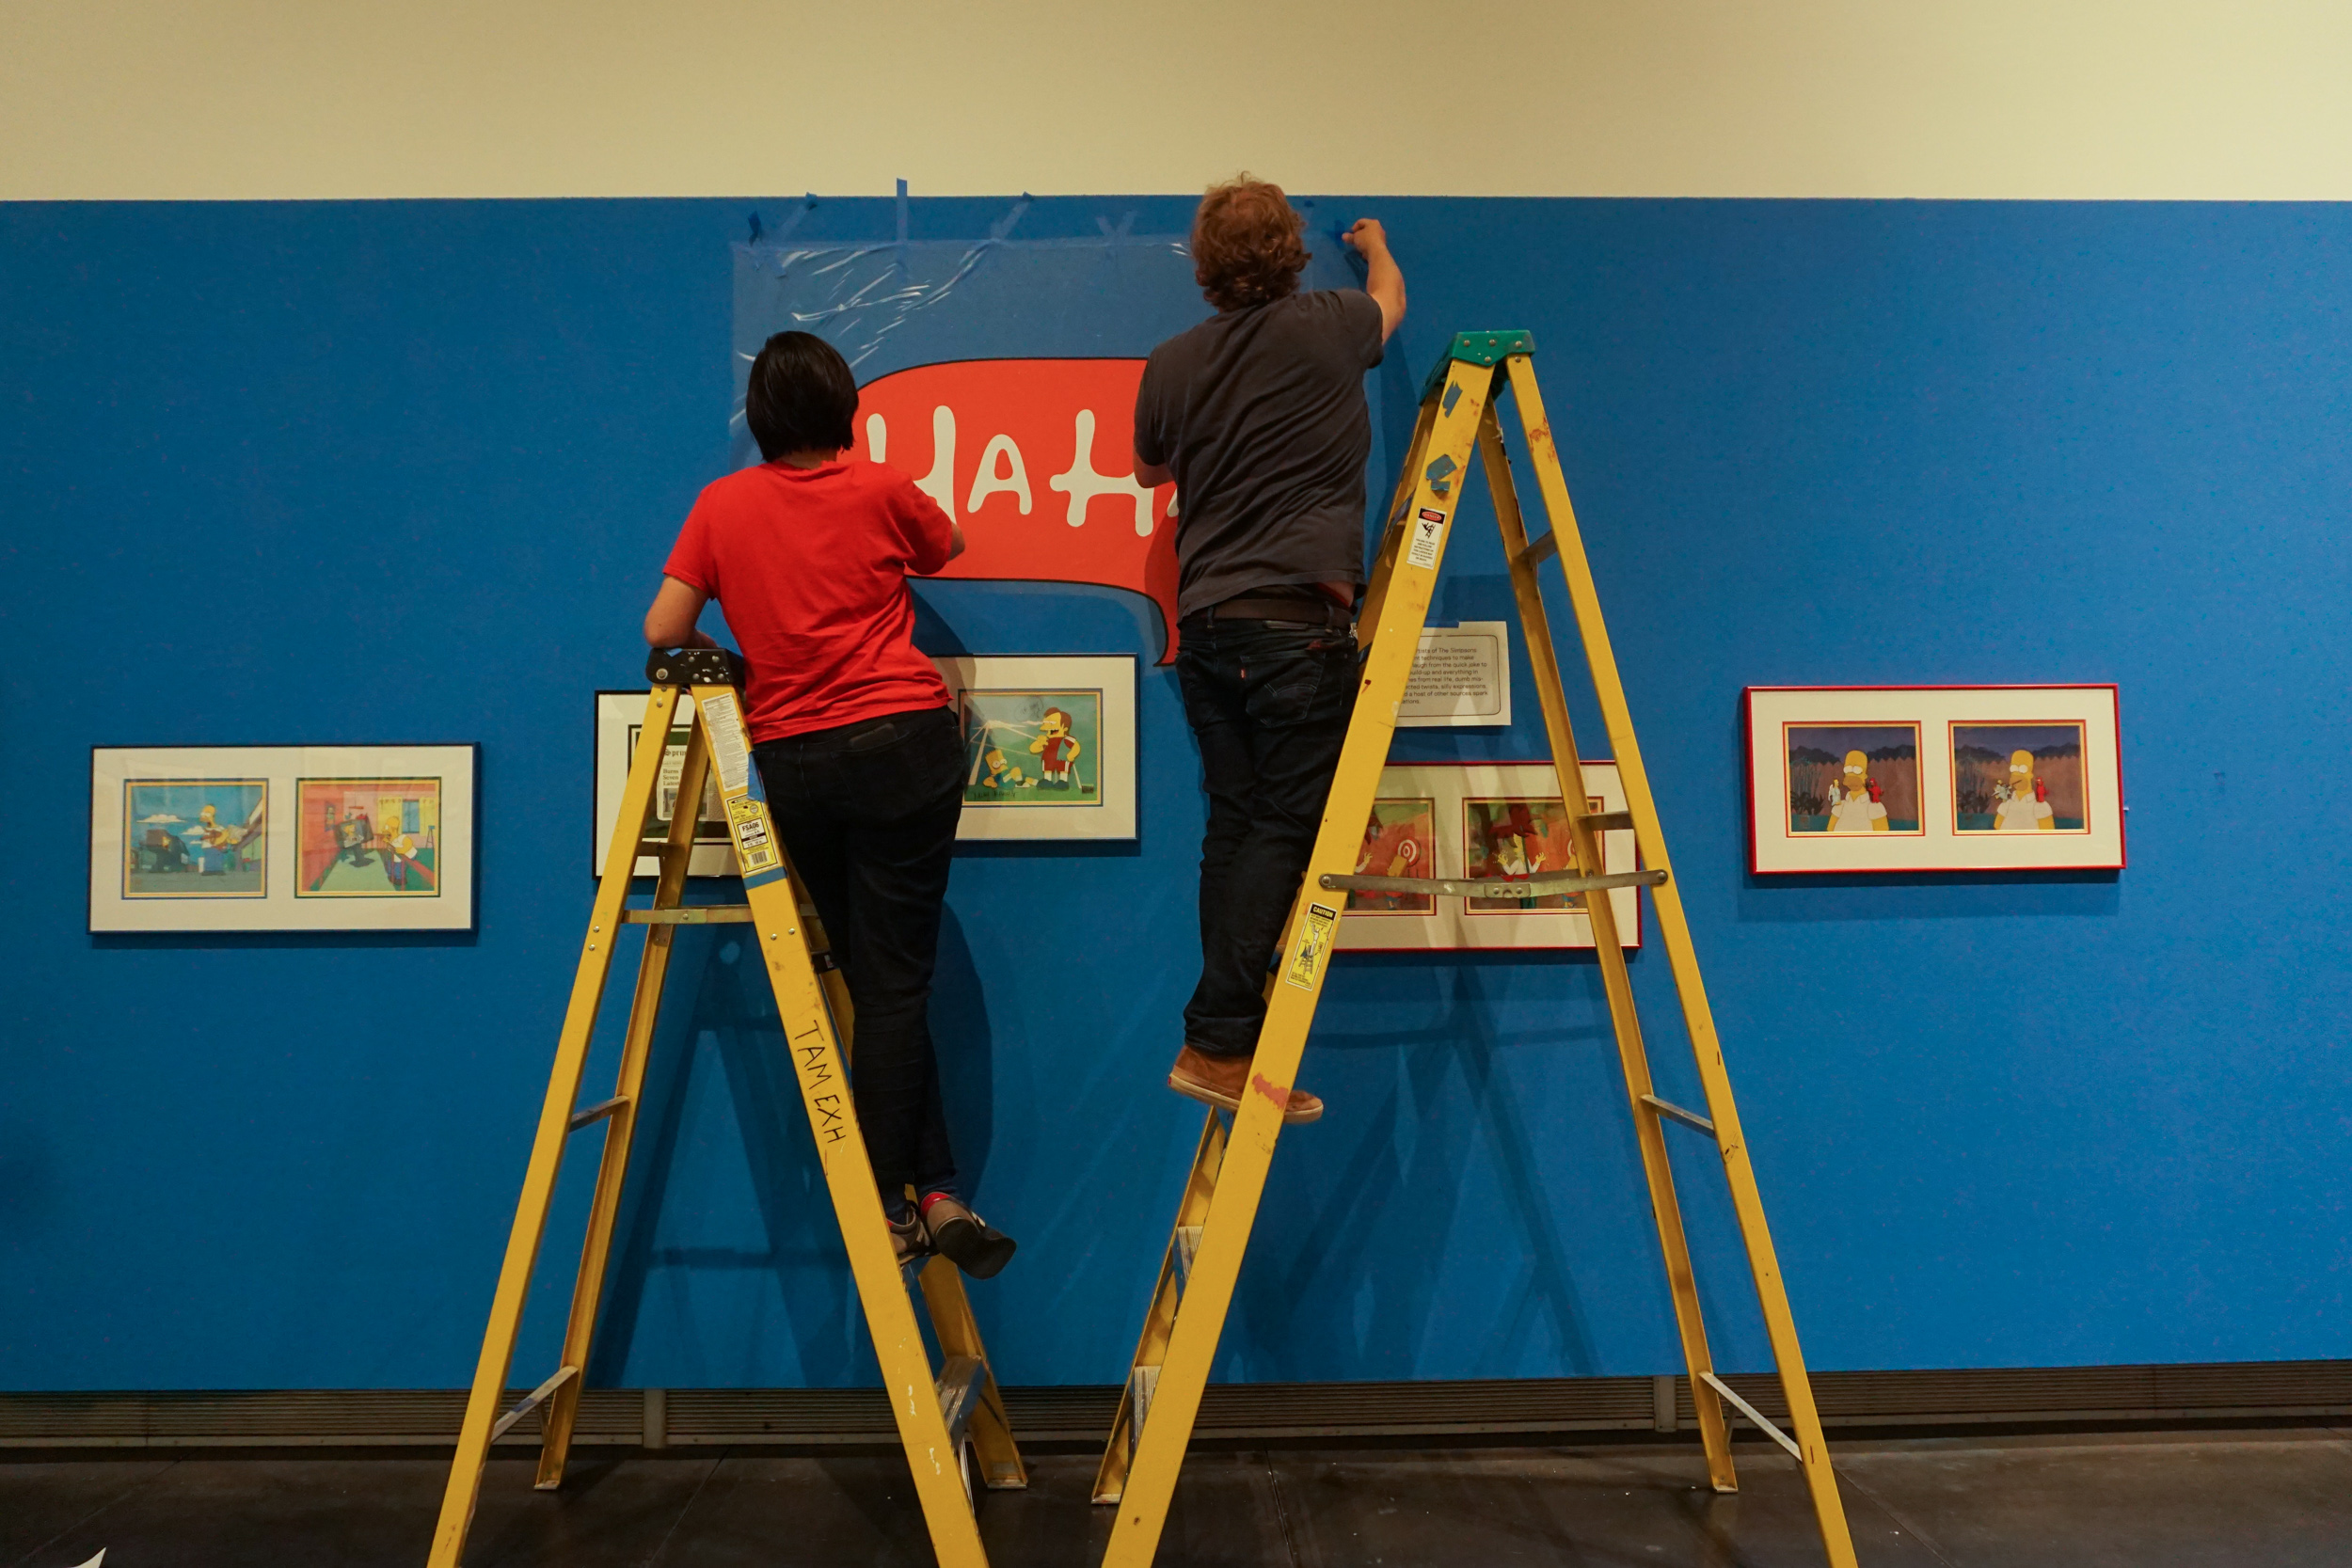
x: 1035, y: 458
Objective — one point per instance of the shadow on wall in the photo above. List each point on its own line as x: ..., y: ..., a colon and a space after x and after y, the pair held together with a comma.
x: 720, y: 1013
x: 1365, y: 1225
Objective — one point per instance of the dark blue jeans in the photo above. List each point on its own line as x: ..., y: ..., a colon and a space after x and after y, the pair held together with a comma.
x: 868, y: 813
x: 1269, y: 703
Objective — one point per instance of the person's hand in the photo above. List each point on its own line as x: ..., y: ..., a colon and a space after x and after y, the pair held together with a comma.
x: 1367, y: 237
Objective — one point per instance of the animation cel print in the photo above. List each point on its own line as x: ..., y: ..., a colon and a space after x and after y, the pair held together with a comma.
x: 1935, y: 778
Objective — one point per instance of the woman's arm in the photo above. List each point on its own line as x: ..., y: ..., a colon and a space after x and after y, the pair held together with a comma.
x: 669, y: 624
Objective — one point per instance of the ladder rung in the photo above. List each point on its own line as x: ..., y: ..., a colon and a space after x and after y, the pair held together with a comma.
x: 1142, y: 1383
x: 1608, y: 821
x: 532, y: 1400
x: 587, y: 1113
x: 1187, y: 1244
x: 1540, y: 550
x: 691, y: 914
x: 960, y: 1383
x: 1688, y: 1118
x: 1495, y: 887
x: 1750, y: 1411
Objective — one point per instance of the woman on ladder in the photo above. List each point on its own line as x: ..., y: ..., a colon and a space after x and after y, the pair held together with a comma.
x: 808, y: 555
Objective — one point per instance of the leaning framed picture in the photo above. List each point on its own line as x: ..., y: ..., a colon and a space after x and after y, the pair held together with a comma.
x: 282, y: 838
x: 1049, y: 753
x: 1482, y: 819
x: 1933, y: 778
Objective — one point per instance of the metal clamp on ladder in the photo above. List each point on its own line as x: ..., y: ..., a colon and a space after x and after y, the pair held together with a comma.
x: 963, y: 1426
x: 1458, y: 421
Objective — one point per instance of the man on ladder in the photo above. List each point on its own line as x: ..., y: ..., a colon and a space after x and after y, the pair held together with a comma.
x: 1284, y: 712
x: 1258, y: 414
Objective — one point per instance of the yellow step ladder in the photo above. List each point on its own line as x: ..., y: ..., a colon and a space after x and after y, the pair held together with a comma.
x: 1458, y: 420
x: 947, y: 1419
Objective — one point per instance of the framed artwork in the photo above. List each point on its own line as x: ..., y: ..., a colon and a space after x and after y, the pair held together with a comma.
x: 1049, y: 753
x: 281, y: 838
x: 1481, y: 819
x: 1933, y: 778
x: 1049, y: 745
x: 620, y: 719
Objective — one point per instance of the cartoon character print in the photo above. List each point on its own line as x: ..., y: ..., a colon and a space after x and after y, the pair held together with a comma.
x: 1055, y: 749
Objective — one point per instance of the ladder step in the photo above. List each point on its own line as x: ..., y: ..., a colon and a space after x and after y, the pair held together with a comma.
x: 1495, y: 887
x: 1723, y: 1390
x: 1540, y: 550
x: 532, y: 1400
x: 961, y: 1382
x: 1142, y: 1383
x: 691, y: 914
x: 1187, y: 1244
x: 1610, y: 821
x: 1688, y: 1118
x: 588, y: 1114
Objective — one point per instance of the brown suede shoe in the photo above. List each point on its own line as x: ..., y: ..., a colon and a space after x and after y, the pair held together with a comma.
x: 1222, y: 1080
x: 967, y: 1241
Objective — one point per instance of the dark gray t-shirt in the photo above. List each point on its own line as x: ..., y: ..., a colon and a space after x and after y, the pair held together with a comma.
x: 1261, y: 415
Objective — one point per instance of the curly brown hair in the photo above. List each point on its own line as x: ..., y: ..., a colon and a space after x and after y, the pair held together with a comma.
x: 1245, y: 247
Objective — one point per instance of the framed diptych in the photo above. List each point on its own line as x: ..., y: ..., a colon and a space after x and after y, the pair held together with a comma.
x: 1481, y: 819
x: 1933, y: 778
x: 281, y: 838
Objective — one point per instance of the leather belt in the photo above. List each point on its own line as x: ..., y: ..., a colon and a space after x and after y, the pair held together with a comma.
x: 1318, y: 610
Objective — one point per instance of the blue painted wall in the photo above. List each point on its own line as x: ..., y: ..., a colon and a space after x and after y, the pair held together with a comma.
x: 276, y: 473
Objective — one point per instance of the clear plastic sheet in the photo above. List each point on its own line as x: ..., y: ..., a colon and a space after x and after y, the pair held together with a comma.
x: 891, y: 305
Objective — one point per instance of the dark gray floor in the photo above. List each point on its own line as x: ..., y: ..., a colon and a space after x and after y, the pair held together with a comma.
x: 2280, y: 1498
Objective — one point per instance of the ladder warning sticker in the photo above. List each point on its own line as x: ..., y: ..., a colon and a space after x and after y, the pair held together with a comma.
x: 1428, y: 533
x: 724, y: 722
x: 754, y: 845
x: 1315, y: 941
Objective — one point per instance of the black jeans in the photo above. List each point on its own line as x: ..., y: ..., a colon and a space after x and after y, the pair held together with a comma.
x: 1269, y: 702
x: 868, y: 812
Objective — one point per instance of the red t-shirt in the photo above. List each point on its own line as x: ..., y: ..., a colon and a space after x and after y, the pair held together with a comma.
x: 811, y: 566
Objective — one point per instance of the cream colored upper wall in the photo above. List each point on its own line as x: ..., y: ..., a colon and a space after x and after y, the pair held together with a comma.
x: 205, y: 98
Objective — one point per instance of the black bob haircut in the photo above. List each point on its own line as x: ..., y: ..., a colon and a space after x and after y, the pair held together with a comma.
x: 800, y: 397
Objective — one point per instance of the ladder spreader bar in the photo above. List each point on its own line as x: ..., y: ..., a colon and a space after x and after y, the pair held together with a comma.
x: 1610, y: 821
x: 588, y: 1114
x: 532, y: 1400
x: 1494, y: 887
x: 1540, y: 550
x: 691, y: 914
x: 1688, y: 1118
x: 1752, y: 1413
